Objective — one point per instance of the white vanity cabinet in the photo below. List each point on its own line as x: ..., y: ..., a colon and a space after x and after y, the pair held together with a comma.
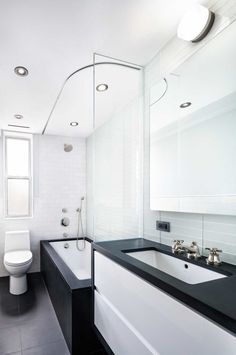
x: 136, y: 318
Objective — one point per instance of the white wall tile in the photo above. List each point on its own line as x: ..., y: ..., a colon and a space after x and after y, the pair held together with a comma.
x: 220, y: 232
x: 59, y: 181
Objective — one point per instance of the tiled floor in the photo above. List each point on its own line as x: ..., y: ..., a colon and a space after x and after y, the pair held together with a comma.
x: 28, y: 324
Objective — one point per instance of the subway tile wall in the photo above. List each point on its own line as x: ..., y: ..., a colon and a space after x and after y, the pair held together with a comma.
x: 208, y: 230
x: 59, y: 181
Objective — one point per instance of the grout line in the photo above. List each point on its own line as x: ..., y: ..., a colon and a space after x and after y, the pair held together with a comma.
x: 44, y: 344
x: 202, y: 234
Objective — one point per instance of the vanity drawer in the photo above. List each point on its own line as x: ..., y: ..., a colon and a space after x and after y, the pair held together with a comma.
x: 117, y: 332
x: 165, y: 323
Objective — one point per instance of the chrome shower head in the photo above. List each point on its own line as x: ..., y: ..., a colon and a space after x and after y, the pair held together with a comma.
x: 81, y: 202
x: 68, y: 148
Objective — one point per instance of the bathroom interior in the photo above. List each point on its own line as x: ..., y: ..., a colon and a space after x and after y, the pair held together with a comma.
x: 118, y: 177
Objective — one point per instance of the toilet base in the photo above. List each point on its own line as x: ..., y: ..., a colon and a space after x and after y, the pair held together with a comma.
x: 18, y: 285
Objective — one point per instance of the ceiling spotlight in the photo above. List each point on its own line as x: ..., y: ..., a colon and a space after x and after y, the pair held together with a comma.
x: 19, y: 117
x: 185, y: 104
x: 73, y: 124
x: 196, y: 23
x: 21, y: 71
x: 102, y: 87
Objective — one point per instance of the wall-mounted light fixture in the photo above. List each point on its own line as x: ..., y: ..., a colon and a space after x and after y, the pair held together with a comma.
x: 196, y: 23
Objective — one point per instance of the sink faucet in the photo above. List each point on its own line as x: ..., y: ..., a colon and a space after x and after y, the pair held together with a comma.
x: 177, y: 247
x: 213, y: 257
x: 192, y: 251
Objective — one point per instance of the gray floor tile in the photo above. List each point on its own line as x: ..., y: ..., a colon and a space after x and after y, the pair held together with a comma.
x: 9, y: 340
x: 58, y: 348
x: 9, y: 317
x: 6, y: 299
x: 39, y: 332
x: 33, y: 311
x: 29, y: 322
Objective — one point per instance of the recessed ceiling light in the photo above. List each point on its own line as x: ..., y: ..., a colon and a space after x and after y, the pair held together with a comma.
x: 73, y: 124
x: 185, y: 104
x: 19, y: 117
x: 102, y: 87
x: 21, y: 71
x: 196, y: 23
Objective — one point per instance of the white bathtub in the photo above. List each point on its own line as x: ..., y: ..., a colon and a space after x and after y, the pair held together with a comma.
x: 78, y: 261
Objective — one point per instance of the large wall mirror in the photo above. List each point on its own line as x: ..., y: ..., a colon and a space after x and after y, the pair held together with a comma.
x: 193, y: 132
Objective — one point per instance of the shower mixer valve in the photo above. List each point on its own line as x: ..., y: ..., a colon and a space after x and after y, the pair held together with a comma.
x: 65, y: 222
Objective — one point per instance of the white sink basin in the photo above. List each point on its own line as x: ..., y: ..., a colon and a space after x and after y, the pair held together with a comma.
x: 182, y: 270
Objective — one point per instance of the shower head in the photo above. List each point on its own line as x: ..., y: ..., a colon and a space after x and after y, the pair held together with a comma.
x: 81, y: 201
x: 68, y: 148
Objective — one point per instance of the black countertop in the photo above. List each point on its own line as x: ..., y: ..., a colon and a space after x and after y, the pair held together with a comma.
x: 214, y: 299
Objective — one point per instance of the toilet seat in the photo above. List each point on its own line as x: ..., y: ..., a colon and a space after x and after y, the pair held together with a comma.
x: 18, y: 257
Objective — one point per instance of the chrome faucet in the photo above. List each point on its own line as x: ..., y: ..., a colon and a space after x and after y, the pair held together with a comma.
x: 177, y: 247
x: 213, y: 257
x: 192, y: 251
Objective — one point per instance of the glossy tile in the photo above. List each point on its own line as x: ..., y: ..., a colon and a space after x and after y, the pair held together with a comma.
x: 39, y: 332
x: 28, y: 322
x: 9, y: 340
x: 57, y: 348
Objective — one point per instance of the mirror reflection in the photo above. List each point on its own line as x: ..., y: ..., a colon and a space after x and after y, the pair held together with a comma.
x: 192, y: 133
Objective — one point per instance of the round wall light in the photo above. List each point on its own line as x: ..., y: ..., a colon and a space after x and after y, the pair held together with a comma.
x: 21, y: 71
x: 185, y: 104
x: 74, y: 124
x: 19, y: 117
x: 195, y: 24
x: 102, y: 87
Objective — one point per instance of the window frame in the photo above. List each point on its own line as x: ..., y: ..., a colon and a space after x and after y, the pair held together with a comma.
x: 29, y: 138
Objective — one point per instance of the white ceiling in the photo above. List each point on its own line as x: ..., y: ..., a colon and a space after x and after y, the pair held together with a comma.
x: 76, y: 100
x: 52, y: 38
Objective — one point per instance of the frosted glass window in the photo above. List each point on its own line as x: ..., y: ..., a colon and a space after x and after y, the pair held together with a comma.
x: 17, y: 154
x: 18, y: 174
x: 18, y: 197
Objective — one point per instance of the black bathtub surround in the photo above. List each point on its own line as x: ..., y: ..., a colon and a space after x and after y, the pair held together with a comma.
x: 71, y: 299
x: 213, y: 299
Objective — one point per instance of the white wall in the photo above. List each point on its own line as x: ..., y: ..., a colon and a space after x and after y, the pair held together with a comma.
x: 59, y: 181
x: 207, y: 230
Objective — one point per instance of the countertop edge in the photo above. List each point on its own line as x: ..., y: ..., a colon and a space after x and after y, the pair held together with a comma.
x: 212, y: 314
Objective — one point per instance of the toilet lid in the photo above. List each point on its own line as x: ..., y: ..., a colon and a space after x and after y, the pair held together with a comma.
x: 18, y: 257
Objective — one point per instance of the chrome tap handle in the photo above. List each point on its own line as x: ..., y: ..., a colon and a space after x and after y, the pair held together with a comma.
x: 214, y: 250
x: 194, y: 250
x: 213, y: 257
x: 177, y: 245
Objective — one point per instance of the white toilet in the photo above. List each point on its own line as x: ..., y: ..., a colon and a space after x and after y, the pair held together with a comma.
x: 17, y: 259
